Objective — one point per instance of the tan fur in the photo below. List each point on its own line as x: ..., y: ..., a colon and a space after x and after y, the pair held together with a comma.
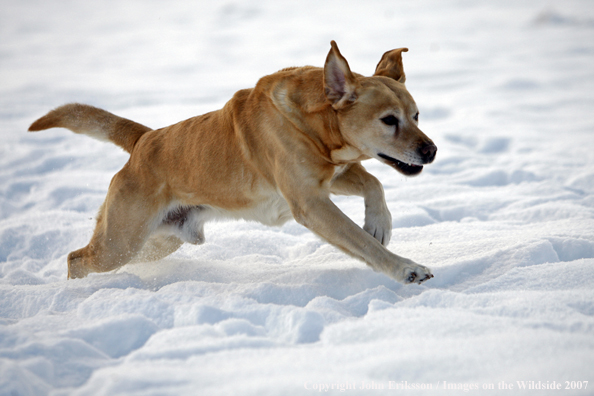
x: 94, y: 122
x: 272, y: 153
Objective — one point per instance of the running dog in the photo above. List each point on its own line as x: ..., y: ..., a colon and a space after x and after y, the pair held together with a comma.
x: 273, y: 153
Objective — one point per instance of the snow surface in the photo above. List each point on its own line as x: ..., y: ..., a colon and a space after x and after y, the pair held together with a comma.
x: 504, y: 217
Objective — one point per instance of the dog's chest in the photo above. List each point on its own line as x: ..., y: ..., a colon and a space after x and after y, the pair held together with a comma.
x: 338, y: 170
x: 274, y: 210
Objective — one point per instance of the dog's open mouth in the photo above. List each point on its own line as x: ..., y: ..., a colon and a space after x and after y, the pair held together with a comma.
x: 405, y: 169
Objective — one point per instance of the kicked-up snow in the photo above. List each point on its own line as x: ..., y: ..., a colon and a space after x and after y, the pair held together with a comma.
x: 504, y: 216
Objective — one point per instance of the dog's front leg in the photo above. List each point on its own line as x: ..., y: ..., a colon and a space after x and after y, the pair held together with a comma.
x: 355, y: 180
x: 314, y: 209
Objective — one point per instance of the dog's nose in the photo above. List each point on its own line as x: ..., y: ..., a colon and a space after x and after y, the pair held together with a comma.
x: 428, y: 151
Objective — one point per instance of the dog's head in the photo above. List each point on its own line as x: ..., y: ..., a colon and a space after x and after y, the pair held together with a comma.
x: 377, y: 115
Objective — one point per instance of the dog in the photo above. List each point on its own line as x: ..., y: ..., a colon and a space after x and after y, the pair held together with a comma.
x: 273, y: 153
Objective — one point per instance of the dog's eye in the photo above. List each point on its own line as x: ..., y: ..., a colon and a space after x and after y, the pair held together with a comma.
x: 416, y: 117
x: 390, y: 120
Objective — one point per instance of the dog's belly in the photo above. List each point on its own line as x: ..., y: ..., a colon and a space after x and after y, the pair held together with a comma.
x: 272, y: 211
x: 186, y: 222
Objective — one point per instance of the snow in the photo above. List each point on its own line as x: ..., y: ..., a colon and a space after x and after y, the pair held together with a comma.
x: 504, y: 217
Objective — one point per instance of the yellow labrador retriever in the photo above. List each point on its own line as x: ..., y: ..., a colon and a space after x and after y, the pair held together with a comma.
x: 272, y: 153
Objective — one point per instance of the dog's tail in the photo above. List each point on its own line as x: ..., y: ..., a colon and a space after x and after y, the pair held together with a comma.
x: 94, y: 122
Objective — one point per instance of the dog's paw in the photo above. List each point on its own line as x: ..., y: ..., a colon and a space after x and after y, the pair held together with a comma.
x: 76, y: 264
x: 416, y: 273
x: 379, y: 225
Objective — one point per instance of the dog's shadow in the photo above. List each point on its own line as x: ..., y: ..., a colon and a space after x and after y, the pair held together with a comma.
x: 271, y: 282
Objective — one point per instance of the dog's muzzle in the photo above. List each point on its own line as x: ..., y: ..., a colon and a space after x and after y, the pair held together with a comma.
x: 426, y: 153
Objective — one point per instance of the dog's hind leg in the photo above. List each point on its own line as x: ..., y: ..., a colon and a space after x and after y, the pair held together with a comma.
x: 126, y: 220
x: 157, y: 247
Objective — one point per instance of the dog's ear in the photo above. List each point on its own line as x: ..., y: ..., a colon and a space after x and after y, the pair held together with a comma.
x: 391, y: 65
x: 339, y: 82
